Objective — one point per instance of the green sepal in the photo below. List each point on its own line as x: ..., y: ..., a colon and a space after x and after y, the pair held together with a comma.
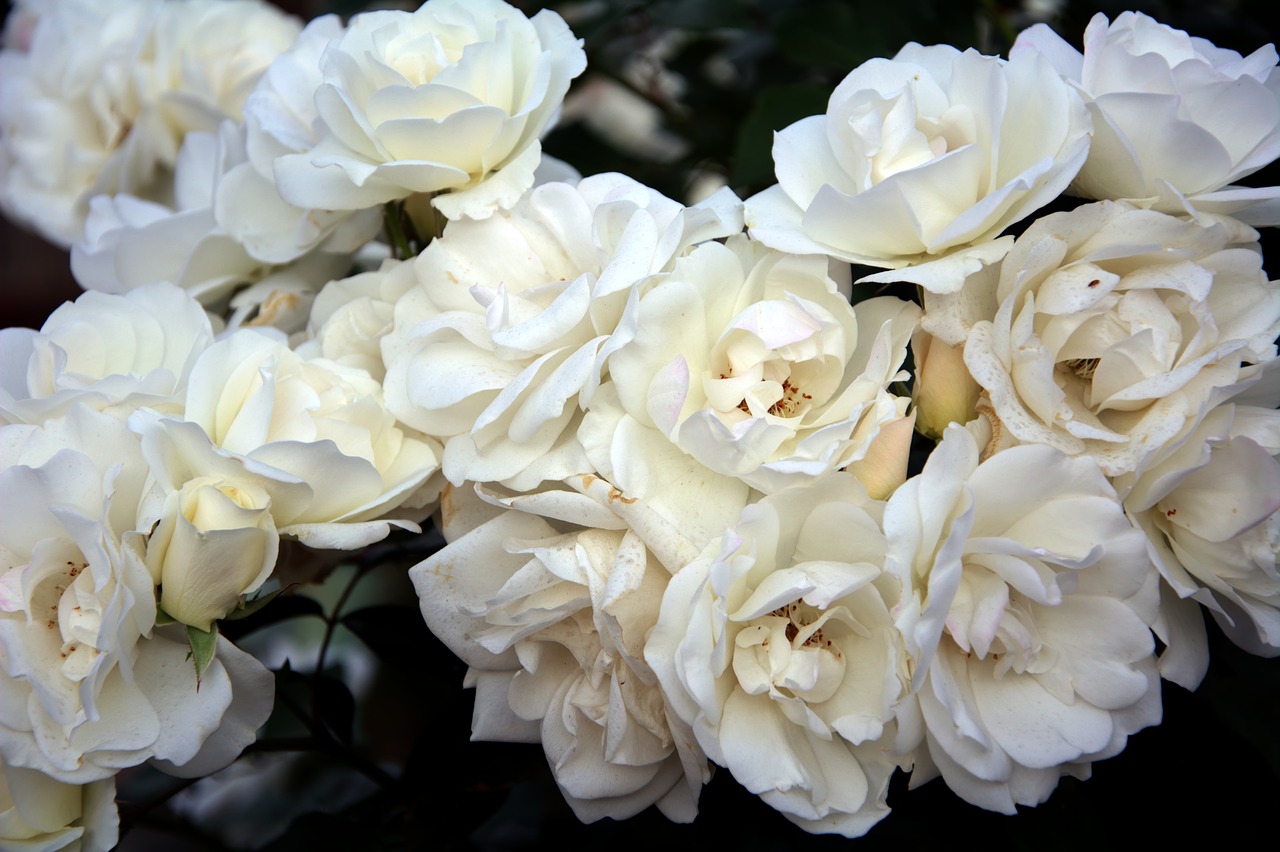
x: 204, y: 643
x: 248, y: 608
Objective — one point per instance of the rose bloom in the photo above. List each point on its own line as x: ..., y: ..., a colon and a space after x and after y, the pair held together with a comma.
x: 1026, y: 601
x: 1175, y: 118
x: 1113, y: 325
x: 497, y: 346
x: 39, y: 813
x: 129, y: 242
x: 101, y: 98
x: 922, y: 160
x: 548, y: 597
x: 450, y: 98
x: 314, y: 436
x: 109, y: 352
x: 753, y: 362
x: 350, y: 316
x: 1209, y: 503
x: 88, y: 683
x: 280, y: 118
x: 777, y: 647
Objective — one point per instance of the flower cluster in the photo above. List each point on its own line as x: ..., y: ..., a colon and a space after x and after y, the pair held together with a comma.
x: 334, y: 287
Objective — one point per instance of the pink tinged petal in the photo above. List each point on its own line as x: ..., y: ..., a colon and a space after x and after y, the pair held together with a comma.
x: 667, y: 395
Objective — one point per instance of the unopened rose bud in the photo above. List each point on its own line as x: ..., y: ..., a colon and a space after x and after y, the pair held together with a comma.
x: 944, y: 391
x: 216, y: 543
x: 884, y: 467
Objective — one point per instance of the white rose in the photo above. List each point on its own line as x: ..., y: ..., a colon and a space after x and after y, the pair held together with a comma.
x: 450, y: 98
x: 1209, y: 503
x: 498, y: 345
x: 215, y: 543
x: 754, y: 363
x: 313, y: 434
x: 89, y: 684
x: 349, y: 317
x: 103, y: 97
x: 1026, y: 601
x: 1114, y: 325
x: 105, y: 351
x: 39, y: 813
x: 1176, y: 119
x: 549, y: 599
x: 923, y: 160
x: 279, y: 117
x: 129, y: 242
x: 776, y: 645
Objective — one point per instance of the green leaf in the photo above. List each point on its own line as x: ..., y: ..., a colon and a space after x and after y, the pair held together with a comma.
x: 204, y: 643
x: 163, y: 618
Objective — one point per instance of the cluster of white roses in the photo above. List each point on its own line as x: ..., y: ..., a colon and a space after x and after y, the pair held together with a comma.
x: 669, y: 449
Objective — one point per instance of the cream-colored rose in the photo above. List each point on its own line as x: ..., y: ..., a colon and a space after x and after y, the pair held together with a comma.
x: 776, y: 646
x: 90, y: 684
x: 313, y: 434
x: 500, y: 344
x: 754, y: 363
x: 451, y: 98
x: 1175, y: 118
x: 119, y: 249
x: 103, y: 96
x: 109, y: 352
x: 1114, y: 325
x: 1209, y: 503
x: 39, y: 813
x: 349, y: 317
x: 215, y: 543
x: 548, y: 598
x: 922, y: 161
x: 1026, y: 604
